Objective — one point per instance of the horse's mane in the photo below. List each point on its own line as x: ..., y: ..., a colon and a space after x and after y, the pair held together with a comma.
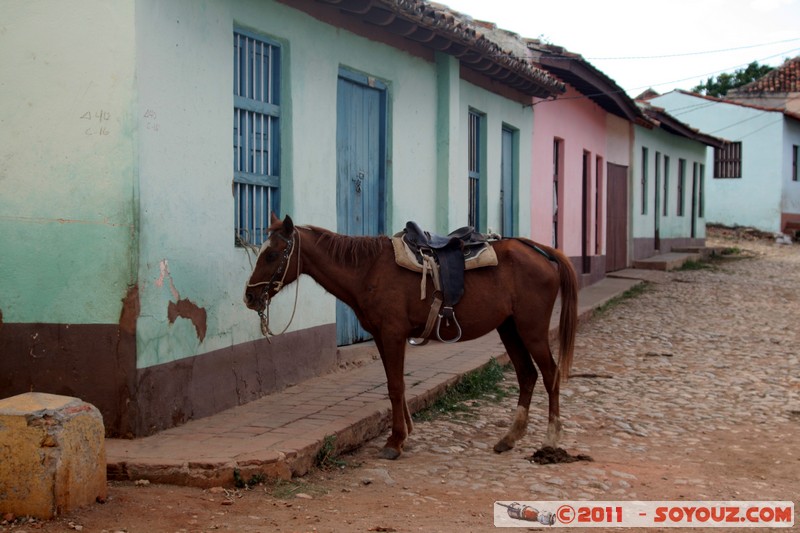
x: 348, y: 249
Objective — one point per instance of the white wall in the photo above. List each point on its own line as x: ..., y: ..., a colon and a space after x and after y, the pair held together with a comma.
x: 790, y: 198
x: 755, y: 198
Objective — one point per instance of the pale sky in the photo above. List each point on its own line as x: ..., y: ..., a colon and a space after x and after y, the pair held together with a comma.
x: 662, y: 45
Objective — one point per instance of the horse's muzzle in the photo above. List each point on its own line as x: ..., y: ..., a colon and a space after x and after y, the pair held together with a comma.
x: 255, y: 299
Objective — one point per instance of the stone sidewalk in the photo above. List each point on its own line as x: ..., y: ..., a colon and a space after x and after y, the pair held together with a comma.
x: 280, y: 435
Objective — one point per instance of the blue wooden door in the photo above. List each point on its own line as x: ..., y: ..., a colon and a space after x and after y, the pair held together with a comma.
x: 360, y: 174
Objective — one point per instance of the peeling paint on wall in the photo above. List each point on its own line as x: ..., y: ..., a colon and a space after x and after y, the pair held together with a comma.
x: 189, y: 310
x: 181, y: 307
x: 163, y: 266
x: 130, y: 310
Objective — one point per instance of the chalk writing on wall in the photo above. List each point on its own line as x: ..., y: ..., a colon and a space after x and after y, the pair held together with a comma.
x: 96, y: 123
x: 151, y: 120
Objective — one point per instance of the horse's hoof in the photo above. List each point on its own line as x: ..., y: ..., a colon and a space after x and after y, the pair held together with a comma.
x: 389, y: 453
x: 502, y: 446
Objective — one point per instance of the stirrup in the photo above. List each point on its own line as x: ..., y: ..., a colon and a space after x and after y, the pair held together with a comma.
x: 439, y: 326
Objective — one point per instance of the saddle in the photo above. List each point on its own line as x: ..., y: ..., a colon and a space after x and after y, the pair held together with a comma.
x: 445, y: 258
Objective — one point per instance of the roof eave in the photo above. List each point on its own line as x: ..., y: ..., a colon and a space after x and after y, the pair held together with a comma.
x: 441, y: 30
x: 593, y: 83
x: 667, y: 122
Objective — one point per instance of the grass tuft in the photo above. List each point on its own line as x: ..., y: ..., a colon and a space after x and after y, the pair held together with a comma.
x: 327, y: 458
x: 633, y: 292
x: 484, y: 383
x: 240, y: 483
x: 695, y: 264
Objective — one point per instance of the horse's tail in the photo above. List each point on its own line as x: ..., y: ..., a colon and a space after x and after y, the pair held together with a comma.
x: 568, y: 322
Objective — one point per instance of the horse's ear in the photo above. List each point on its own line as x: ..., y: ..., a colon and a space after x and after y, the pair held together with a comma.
x: 272, y: 218
x: 288, y: 225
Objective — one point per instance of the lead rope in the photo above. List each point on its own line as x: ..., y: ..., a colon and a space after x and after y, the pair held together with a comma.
x: 248, y: 249
x: 265, y: 330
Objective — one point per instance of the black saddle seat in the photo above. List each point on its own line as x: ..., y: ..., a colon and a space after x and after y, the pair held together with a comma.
x: 462, y: 237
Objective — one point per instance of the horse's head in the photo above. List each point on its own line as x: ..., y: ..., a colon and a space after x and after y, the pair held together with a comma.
x: 271, y: 271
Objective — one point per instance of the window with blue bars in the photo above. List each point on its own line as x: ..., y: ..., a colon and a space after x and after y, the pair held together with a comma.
x: 474, y: 150
x: 256, y: 135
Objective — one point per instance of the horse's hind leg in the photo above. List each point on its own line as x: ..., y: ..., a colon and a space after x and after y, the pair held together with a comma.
x: 526, y: 377
x: 407, y: 416
x: 536, y: 340
x: 550, y: 376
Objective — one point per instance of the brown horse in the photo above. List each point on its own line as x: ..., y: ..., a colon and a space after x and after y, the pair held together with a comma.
x: 516, y: 298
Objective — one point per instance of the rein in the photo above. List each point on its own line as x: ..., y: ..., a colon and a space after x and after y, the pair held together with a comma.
x: 273, y: 282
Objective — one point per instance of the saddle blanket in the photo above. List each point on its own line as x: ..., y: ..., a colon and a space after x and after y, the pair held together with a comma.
x: 406, y: 258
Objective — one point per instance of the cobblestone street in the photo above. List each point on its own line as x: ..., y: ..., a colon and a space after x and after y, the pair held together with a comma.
x: 688, y: 391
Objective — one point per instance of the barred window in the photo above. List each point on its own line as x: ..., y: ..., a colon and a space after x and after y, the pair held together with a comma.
x: 256, y: 135
x: 665, y: 211
x: 475, y: 147
x: 701, y: 191
x: 681, y: 187
x: 643, y: 178
x: 728, y: 161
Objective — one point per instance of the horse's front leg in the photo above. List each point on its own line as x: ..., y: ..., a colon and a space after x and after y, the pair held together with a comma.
x: 393, y: 357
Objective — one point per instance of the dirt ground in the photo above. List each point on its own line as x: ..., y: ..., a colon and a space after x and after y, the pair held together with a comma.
x: 689, y: 391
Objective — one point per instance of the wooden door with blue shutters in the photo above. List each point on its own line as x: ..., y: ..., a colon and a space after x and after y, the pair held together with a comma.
x: 360, y: 173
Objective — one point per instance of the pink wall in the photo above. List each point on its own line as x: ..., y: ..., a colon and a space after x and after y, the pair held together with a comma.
x: 581, y: 124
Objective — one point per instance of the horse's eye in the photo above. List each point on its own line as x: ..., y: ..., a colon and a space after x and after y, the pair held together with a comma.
x: 272, y: 256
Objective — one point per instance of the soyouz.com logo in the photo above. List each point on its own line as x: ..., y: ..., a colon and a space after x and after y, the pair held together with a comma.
x: 748, y: 514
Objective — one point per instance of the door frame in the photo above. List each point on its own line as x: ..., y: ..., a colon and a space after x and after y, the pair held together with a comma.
x: 345, y: 317
x: 509, y: 171
x: 617, y: 216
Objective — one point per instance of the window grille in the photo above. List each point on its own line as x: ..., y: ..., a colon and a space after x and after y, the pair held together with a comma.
x: 701, y: 191
x: 474, y: 154
x: 643, y: 184
x: 256, y: 135
x: 681, y: 187
x: 665, y: 201
x: 728, y: 161
x: 656, y: 191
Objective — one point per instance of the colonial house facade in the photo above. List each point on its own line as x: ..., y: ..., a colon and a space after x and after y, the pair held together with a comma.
x: 753, y: 180
x: 581, y: 180
x: 669, y: 184
x: 147, y: 142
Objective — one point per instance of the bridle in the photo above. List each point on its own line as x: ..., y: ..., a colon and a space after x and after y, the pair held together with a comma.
x: 277, y: 284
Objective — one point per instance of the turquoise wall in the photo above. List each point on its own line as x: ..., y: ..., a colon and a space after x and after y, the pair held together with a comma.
x: 671, y: 226
x: 184, y: 75
x: 67, y: 169
x: 498, y: 112
x: 117, y: 164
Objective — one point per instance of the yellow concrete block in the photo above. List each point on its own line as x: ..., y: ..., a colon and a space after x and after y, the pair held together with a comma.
x: 52, y: 455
